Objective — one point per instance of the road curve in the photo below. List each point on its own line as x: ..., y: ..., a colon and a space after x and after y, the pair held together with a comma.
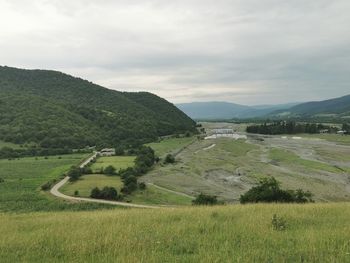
x: 55, y: 191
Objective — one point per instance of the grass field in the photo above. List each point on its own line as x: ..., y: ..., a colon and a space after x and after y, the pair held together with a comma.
x: 118, y: 162
x: 314, y: 233
x: 23, y: 177
x: 87, y: 182
x: 341, y: 139
x: 171, y: 145
x: 289, y: 158
x: 151, y: 195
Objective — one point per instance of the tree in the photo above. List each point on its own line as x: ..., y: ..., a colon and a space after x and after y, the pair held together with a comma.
x: 268, y: 190
x: 203, y: 199
x: 95, y: 193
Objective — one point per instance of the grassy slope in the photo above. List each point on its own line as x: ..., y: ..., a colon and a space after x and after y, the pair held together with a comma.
x: 23, y: 178
x: 314, y: 233
x: 171, y: 145
x: 340, y: 139
x: 151, y: 195
x: 118, y: 162
x: 289, y: 158
x: 87, y: 182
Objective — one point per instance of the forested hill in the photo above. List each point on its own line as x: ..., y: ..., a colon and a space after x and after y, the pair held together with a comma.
x: 336, y: 107
x: 53, y: 109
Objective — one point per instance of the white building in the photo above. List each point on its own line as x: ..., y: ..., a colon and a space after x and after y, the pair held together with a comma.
x: 107, y: 152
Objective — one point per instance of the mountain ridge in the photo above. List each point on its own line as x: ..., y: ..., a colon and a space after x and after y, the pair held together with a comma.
x: 96, y: 115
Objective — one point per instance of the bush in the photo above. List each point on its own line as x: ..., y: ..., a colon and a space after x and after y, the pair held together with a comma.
x: 203, y: 199
x: 74, y: 173
x: 108, y: 193
x: 142, y: 186
x: 48, y: 185
x: 169, y: 159
x: 86, y: 170
x: 2, y: 180
x: 268, y: 190
x: 109, y: 170
x: 76, y: 193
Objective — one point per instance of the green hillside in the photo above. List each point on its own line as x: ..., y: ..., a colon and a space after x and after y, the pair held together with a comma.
x: 55, y: 110
x: 338, y: 107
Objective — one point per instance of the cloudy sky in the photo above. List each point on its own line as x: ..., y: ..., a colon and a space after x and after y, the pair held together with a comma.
x: 243, y: 51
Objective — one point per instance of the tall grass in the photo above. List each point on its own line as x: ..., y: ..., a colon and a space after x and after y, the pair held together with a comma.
x: 314, y: 233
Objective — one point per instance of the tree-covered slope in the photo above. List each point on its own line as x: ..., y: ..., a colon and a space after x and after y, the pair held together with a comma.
x: 338, y: 106
x: 54, y: 109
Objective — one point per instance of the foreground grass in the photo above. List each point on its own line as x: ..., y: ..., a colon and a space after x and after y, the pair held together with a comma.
x: 23, y: 177
x: 314, y: 233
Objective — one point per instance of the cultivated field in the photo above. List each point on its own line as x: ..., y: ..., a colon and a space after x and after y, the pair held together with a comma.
x: 227, y: 168
x: 313, y: 233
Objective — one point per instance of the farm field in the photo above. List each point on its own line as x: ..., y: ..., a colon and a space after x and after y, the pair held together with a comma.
x: 20, y: 191
x: 118, y: 162
x: 227, y: 168
x: 241, y: 233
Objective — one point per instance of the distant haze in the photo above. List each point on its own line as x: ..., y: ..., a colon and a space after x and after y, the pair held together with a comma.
x: 249, y: 52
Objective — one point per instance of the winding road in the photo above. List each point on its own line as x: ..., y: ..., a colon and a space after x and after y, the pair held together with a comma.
x: 55, y: 191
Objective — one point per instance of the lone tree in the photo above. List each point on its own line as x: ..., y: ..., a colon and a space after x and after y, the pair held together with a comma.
x: 268, y: 191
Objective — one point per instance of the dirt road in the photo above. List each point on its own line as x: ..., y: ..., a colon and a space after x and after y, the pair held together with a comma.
x: 55, y: 191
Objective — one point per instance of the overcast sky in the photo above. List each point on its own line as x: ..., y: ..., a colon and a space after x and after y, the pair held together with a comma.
x: 248, y: 51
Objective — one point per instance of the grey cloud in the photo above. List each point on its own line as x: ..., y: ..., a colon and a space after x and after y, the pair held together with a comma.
x: 248, y: 51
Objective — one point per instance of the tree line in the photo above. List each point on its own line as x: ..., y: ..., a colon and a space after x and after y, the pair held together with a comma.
x: 290, y: 127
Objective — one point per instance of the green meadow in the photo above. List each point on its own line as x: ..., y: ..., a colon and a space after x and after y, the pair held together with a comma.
x: 20, y: 191
x: 238, y: 233
x: 118, y: 162
x: 170, y: 145
x: 150, y: 195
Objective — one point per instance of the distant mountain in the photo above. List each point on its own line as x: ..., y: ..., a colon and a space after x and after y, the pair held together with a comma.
x: 53, y: 109
x: 339, y: 107
x: 225, y: 110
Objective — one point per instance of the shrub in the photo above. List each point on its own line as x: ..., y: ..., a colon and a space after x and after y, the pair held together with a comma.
x: 76, y: 192
x: 109, y: 170
x: 268, y: 190
x: 48, y: 185
x: 74, y: 173
x: 278, y: 223
x: 2, y: 180
x: 203, y: 199
x: 169, y: 159
x: 142, y: 186
x: 86, y: 170
x: 108, y: 193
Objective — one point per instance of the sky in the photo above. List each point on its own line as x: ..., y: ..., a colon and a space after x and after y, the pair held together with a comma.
x: 248, y: 52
